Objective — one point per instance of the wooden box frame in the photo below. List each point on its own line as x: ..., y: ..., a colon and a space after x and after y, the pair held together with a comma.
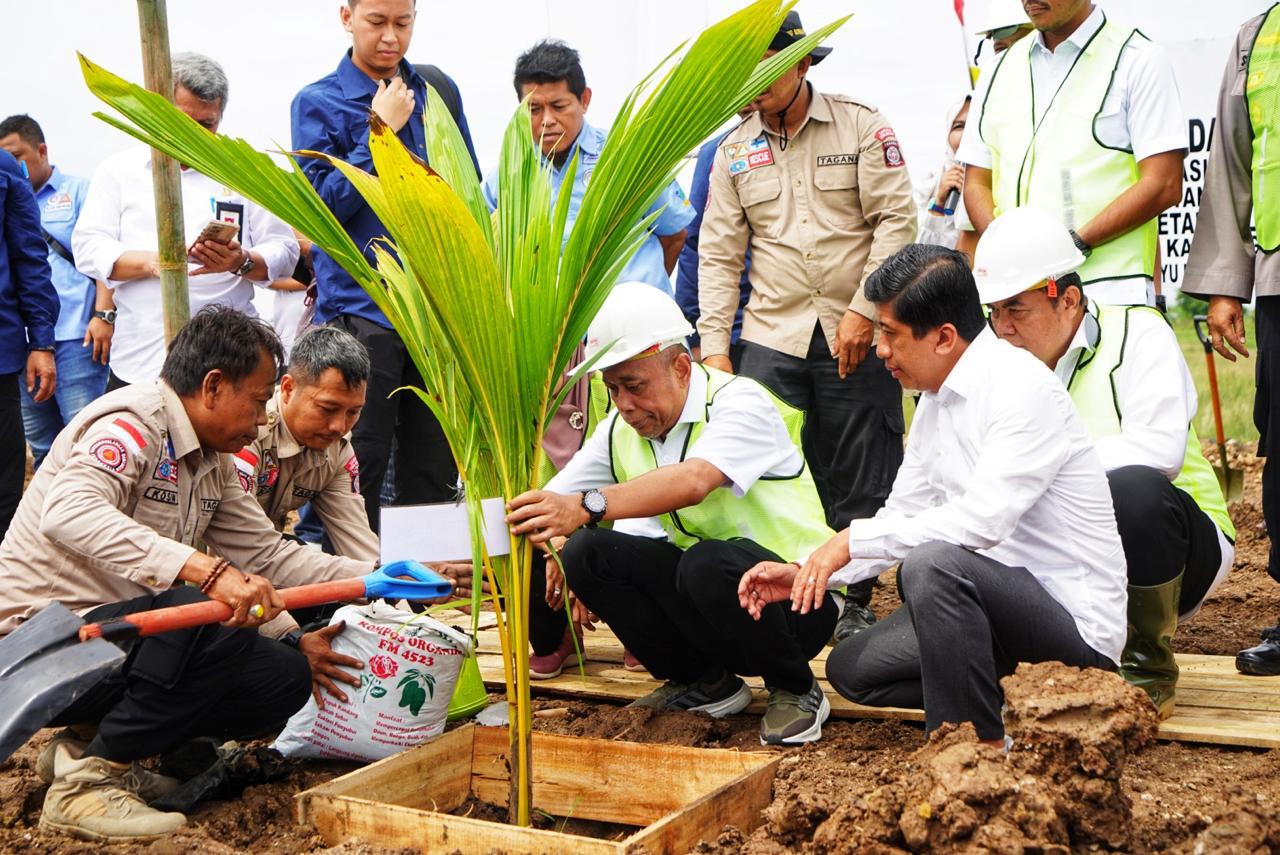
x: 678, y: 796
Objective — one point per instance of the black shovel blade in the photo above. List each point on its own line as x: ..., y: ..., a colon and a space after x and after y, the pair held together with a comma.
x: 43, y: 669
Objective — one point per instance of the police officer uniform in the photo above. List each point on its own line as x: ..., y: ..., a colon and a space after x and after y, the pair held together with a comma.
x: 283, y: 475
x: 123, y: 498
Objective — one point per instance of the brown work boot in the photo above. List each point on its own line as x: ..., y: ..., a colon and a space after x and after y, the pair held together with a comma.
x: 149, y: 786
x: 95, y: 799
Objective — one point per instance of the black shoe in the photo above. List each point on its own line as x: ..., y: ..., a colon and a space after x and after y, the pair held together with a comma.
x: 1263, y: 660
x: 854, y: 619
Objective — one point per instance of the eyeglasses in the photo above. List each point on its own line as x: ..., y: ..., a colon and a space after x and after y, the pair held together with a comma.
x: 1005, y: 32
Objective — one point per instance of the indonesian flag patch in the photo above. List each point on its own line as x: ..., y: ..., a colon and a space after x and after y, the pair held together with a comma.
x: 246, y: 461
x: 128, y: 434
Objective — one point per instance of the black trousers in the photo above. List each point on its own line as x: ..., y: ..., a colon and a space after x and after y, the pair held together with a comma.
x: 207, y: 681
x: 678, y: 611
x: 13, y: 449
x: 853, y: 427
x: 967, y: 622
x: 424, y: 467
x: 1164, y: 533
x: 1266, y: 417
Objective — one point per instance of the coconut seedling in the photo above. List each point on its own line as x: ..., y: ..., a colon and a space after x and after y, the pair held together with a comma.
x: 492, y: 307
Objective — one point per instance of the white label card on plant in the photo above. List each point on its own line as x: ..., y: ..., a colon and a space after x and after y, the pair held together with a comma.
x: 427, y: 533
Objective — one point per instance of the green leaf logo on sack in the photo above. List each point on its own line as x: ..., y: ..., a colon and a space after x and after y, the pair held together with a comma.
x: 412, y: 694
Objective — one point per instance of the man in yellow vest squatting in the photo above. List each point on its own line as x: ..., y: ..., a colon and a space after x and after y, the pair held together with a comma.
x: 1126, y: 375
x: 1082, y: 120
x: 716, y: 458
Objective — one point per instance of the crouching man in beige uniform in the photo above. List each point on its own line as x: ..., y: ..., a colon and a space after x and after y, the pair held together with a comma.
x: 109, y: 526
x: 303, y: 453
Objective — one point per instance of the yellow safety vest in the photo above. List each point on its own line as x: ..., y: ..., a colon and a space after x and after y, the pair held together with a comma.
x: 1262, y: 94
x: 1058, y: 164
x: 1092, y: 388
x: 782, y: 514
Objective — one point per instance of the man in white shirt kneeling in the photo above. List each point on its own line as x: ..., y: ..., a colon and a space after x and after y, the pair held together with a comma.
x: 1000, y: 516
x: 1125, y: 372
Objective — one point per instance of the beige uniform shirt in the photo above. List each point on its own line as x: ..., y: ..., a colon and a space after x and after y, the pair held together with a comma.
x: 284, y: 476
x: 120, y: 502
x: 1224, y: 259
x: 819, y: 217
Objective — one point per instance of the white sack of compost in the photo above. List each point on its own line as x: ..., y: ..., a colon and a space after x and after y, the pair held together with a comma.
x: 411, y: 666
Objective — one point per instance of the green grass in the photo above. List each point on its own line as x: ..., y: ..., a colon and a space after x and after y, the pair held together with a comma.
x: 1235, y: 386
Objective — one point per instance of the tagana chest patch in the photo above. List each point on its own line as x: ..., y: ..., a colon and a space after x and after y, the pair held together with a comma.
x: 838, y: 160
x: 892, y: 150
x: 269, y: 474
x: 167, y: 467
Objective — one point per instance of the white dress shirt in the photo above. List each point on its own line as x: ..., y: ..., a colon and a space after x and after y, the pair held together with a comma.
x: 119, y: 215
x: 1142, y: 112
x: 999, y: 462
x: 744, y: 438
x: 1157, y: 399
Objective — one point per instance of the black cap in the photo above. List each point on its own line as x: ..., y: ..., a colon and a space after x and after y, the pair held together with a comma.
x: 793, y: 31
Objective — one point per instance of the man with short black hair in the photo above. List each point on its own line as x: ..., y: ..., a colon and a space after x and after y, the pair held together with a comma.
x: 82, y: 370
x: 550, y: 75
x: 332, y: 116
x: 303, y: 453
x: 115, y: 237
x: 1000, y: 516
x: 110, y: 525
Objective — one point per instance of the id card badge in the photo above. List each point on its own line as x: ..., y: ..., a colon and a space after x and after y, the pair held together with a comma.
x: 231, y: 212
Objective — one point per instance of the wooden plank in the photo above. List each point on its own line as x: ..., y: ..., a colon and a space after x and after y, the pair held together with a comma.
x: 436, y: 775
x: 740, y: 803
x: 342, y: 818
x: 1227, y: 699
x: 608, y: 780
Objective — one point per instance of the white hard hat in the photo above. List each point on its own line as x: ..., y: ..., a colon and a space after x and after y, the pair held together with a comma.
x: 1000, y: 13
x: 636, y: 317
x: 1019, y: 250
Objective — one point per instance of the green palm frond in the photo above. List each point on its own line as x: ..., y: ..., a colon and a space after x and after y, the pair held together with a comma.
x: 493, y: 307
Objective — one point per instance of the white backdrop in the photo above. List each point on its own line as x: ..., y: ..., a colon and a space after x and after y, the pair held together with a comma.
x: 905, y: 56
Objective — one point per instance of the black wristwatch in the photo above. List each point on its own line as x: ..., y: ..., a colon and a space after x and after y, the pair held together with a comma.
x: 595, y: 504
x: 37, y: 348
x: 109, y: 315
x: 243, y: 269
x: 1084, y: 248
x: 292, y: 637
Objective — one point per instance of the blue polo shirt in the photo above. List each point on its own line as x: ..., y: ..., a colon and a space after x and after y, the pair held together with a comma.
x: 332, y: 116
x: 687, y: 266
x: 647, y: 265
x: 28, y: 303
x: 59, y: 200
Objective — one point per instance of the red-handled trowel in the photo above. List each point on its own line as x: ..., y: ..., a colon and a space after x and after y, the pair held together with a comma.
x: 55, y: 657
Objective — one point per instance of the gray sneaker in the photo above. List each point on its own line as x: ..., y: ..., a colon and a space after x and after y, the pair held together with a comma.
x: 720, y: 696
x: 792, y: 719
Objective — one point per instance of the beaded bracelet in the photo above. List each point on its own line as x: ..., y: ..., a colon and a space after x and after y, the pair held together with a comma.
x: 221, y: 565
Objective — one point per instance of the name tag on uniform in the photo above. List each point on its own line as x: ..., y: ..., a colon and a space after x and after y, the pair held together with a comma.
x: 837, y: 160
x: 745, y: 156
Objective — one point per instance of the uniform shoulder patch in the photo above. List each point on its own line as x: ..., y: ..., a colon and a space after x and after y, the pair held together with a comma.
x: 245, y: 462
x: 353, y: 469
x: 892, y: 150
x: 110, y: 453
x: 128, y: 433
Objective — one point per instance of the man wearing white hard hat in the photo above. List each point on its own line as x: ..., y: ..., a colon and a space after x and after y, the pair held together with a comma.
x: 717, y: 459
x: 1128, y: 379
x: 1083, y: 120
x: 1003, y: 22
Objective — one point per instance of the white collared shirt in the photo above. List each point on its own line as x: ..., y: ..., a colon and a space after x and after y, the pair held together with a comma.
x: 999, y: 462
x: 1157, y: 399
x: 744, y: 438
x: 119, y: 215
x: 1142, y: 112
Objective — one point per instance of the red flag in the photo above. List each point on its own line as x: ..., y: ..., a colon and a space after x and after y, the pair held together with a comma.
x: 960, y: 11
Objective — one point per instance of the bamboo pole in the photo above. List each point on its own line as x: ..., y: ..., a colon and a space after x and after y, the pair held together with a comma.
x: 153, y: 24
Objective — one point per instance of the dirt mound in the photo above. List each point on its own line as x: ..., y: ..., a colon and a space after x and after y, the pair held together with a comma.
x: 634, y: 724
x: 1058, y: 789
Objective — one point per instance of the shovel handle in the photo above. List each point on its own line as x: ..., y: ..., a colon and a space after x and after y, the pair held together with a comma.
x: 142, y: 624
x: 1212, y: 369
